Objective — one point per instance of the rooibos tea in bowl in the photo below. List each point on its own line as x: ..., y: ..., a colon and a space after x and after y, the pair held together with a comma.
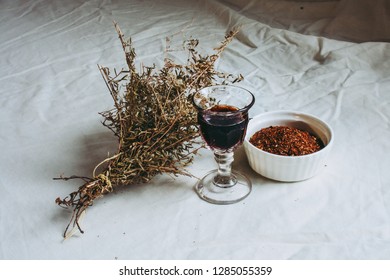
x: 287, y: 146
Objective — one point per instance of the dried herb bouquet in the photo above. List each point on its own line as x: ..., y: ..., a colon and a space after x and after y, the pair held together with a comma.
x: 153, y: 119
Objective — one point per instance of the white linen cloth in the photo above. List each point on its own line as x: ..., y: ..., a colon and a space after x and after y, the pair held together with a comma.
x: 51, y: 92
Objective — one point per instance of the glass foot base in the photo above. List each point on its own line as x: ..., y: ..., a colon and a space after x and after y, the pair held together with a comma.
x: 213, y: 193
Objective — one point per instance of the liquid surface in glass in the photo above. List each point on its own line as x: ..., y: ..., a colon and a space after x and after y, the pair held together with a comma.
x: 223, y: 131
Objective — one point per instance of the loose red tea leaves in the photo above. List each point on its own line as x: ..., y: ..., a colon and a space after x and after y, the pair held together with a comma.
x: 286, y: 141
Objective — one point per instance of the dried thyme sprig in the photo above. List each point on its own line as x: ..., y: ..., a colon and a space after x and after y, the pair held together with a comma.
x: 153, y: 119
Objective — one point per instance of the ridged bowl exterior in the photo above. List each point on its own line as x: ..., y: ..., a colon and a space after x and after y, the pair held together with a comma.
x: 288, y: 168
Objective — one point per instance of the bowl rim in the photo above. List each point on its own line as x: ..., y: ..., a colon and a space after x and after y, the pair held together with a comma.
x: 296, y: 114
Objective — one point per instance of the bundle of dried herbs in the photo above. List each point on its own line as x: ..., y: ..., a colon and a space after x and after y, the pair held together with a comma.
x: 153, y: 119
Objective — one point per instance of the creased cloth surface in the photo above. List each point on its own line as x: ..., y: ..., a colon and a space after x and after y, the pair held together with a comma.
x: 351, y: 20
x: 51, y: 92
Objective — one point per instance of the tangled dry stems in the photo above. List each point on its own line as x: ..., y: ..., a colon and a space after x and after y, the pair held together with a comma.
x: 153, y: 119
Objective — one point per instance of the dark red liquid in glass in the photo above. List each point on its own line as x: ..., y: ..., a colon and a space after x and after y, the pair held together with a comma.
x: 223, y: 131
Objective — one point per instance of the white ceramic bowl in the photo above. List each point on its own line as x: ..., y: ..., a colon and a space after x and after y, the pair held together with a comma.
x: 288, y: 168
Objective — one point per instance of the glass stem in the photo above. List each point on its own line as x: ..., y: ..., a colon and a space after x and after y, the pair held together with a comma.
x: 224, y: 177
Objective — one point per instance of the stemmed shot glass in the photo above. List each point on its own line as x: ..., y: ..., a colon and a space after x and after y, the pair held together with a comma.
x: 223, y: 119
